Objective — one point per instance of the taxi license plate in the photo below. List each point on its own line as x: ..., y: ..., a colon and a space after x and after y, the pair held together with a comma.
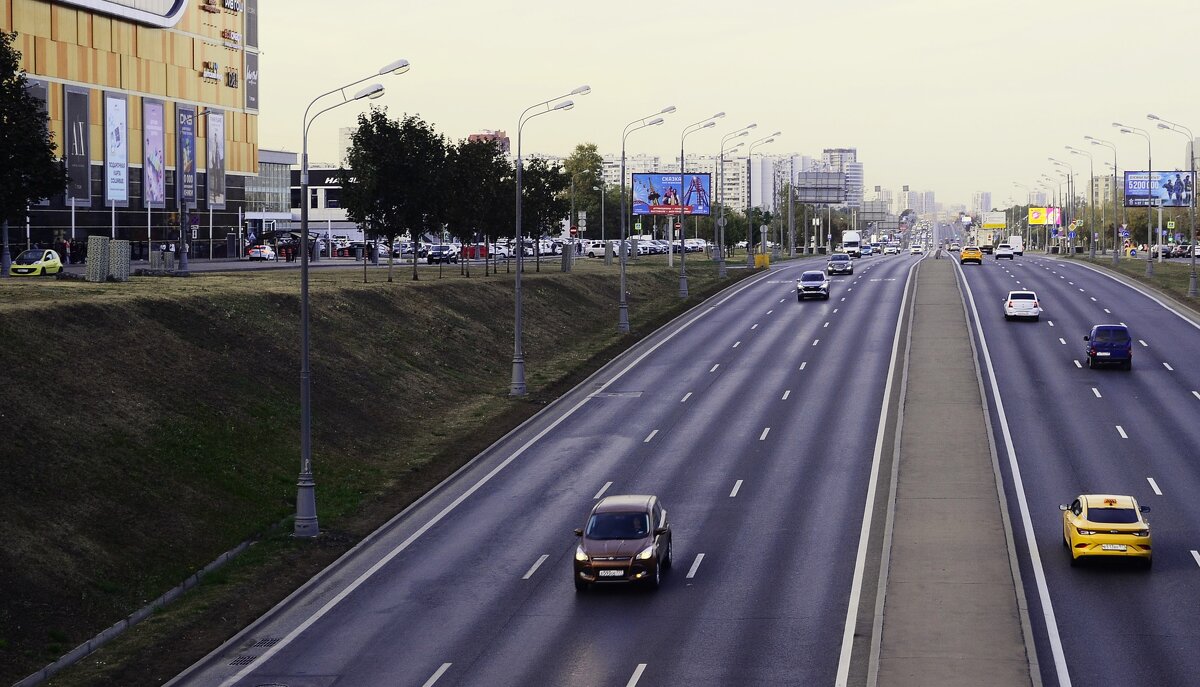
x: 1113, y: 547
x: 619, y: 573
x: 1103, y: 354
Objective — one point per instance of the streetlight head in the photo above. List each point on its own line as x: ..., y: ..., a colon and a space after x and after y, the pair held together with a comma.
x: 1088, y: 138
x: 564, y: 105
x: 753, y: 125
x: 397, y: 67
x: 777, y: 133
x: 667, y: 110
x: 769, y: 140
x: 709, y: 125
x: 655, y: 122
x: 371, y: 92
x: 1163, y: 126
x: 1152, y: 117
x: 582, y: 90
x: 1126, y: 131
x: 744, y: 133
x: 1118, y: 124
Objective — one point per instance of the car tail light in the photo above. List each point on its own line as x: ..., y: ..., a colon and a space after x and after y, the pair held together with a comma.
x: 1085, y: 532
x: 1036, y: 304
x: 1142, y: 533
x: 1010, y: 304
x: 1091, y: 350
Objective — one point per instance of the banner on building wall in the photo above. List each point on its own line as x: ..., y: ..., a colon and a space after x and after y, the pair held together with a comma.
x: 154, y: 156
x: 669, y: 194
x: 215, y: 146
x: 116, y: 149
x: 251, y: 81
x: 40, y: 91
x: 185, y: 155
x: 76, y: 146
x: 252, y: 23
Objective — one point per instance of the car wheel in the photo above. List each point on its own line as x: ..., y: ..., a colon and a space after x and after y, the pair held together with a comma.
x: 1007, y: 317
x: 655, y: 580
x: 1036, y: 318
x: 1091, y: 363
x: 1148, y: 563
x: 1128, y: 364
x: 1074, y: 559
x: 580, y: 585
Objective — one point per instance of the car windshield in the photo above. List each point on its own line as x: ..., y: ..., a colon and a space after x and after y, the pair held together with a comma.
x: 1111, y: 335
x: 812, y: 276
x: 1112, y: 516
x: 618, y: 526
x: 1017, y: 296
x: 839, y: 258
x: 29, y: 257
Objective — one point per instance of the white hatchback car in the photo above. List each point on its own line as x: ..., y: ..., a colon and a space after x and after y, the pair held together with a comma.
x: 1004, y: 250
x: 916, y: 249
x: 1022, y: 304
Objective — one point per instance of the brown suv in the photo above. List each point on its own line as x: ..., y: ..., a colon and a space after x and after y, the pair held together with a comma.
x: 627, y: 539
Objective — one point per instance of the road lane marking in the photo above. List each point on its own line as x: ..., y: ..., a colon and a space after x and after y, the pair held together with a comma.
x: 1121, y: 431
x: 770, y: 311
x: 537, y: 565
x: 805, y: 364
x: 782, y: 300
x: 1077, y: 364
x: 1050, y: 322
x: 737, y: 343
x: 1168, y: 366
x: 737, y: 486
x: 816, y: 341
x: 1108, y: 311
x: 1071, y: 283
x: 763, y: 436
x: 434, y: 678
x: 637, y: 675
x: 1096, y: 391
x: 1143, y: 343
x: 1194, y: 393
x: 1062, y: 341
x: 1093, y: 298
x: 647, y: 439
x: 714, y: 367
x: 754, y: 327
x: 1196, y: 556
x: 602, y: 490
x: 849, y: 288
x: 835, y: 311
x: 825, y: 326
x: 1081, y: 291
x: 1154, y: 486
x: 786, y: 394
x: 695, y: 565
x: 685, y: 397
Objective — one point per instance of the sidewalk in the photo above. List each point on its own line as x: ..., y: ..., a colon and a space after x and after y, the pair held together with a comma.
x: 950, y: 615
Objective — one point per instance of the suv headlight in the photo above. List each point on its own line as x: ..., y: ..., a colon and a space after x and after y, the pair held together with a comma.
x: 646, y: 553
x: 580, y: 555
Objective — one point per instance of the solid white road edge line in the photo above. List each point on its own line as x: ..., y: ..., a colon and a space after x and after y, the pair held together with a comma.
x: 737, y: 486
x: 434, y: 678
x: 1035, y: 556
x: 1154, y: 486
x: 864, y: 535
x: 538, y: 564
x: 399, y: 548
x: 637, y: 675
x: 1142, y: 291
x: 695, y: 566
x: 602, y: 490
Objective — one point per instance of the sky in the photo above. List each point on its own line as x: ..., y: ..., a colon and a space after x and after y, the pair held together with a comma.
x: 953, y: 96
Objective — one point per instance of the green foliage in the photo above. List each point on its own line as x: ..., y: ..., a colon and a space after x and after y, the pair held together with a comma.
x: 480, y: 197
x: 544, y: 203
x: 29, y: 170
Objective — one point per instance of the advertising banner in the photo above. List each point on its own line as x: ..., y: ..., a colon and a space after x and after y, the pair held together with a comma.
x: 77, y: 147
x: 251, y: 81
x: 185, y: 155
x: 995, y: 220
x: 1159, y: 189
x: 658, y: 193
x: 252, y: 23
x: 154, y: 157
x: 215, y: 145
x: 1045, y: 216
x: 116, y: 149
x: 41, y: 92
x: 821, y: 188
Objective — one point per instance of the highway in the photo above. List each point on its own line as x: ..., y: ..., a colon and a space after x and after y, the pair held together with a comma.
x: 753, y: 417
x: 1067, y: 430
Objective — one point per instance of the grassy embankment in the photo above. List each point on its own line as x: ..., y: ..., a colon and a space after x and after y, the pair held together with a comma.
x: 149, y: 426
x: 1170, y: 276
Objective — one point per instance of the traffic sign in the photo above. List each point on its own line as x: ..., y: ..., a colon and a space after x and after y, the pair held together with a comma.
x: 637, y: 226
x: 582, y: 223
x: 1171, y: 224
x: 721, y: 222
x: 574, y: 231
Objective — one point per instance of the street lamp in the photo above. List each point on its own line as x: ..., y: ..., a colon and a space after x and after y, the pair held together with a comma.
x: 687, y: 131
x: 1149, y: 200
x: 1091, y: 199
x: 1116, y: 232
x: 750, y: 194
x: 1070, y: 194
x: 719, y: 239
x: 1184, y: 131
x: 639, y: 123
x: 306, y: 498
x: 517, y: 387
x: 1028, y: 192
x: 601, y: 189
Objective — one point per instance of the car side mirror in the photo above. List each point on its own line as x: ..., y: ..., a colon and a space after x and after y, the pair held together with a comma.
x: 662, y: 530
x: 1143, y: 509
x: 1063, y: 507
x: 1086, y: 337
x: 578, y: 531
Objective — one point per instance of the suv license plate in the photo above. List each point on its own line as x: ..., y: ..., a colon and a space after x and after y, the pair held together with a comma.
x: 1113, y: 547
x: 620, y: 573
x: 1103, y: 354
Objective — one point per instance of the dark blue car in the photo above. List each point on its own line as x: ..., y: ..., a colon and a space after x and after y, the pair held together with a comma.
x: 1109, y: 344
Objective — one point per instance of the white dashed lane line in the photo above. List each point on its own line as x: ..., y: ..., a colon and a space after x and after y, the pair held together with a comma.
x: 1168, y: 366
x: 695, y: 566
x: 1050, y: 322
x: 648, y: 438
x: 805, y: 364
x: 1154, y: 486
x: 1196, y: 394
x: 1096, y: 391
x: 685, y: 397
x: 1062, y: 341
x: 824, y: 326
x: 439, y: 673
x: 1077, y: 364
x: 770, y: 311
x: 1093, y: 298
x: 602, y: 490
x: 1121, y: 431
x: 737, y: 486
x: 835, y: 311
x: 737, y: 343
x: 1106, y: 310
x: 816, y: 341
x: 637, y: 675
x: 1196, y: 556
x: 714, y: 367
x: 782, y: 300
x: 754, y: 327
x: 763, y: 436
x: 786, y: 394
x: 1143, y: 343
x: 536, y: 565
x: 843, y: 300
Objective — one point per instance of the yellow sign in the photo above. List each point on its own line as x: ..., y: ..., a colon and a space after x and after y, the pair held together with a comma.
x: 1037, y: 215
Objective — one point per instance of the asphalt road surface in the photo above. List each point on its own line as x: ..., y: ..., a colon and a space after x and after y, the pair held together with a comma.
x: 753, y: 417
x: 1062, y: 429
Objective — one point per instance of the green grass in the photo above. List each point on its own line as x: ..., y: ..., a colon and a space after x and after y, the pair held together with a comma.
x: 153, y: 425
x: 1171, y: 277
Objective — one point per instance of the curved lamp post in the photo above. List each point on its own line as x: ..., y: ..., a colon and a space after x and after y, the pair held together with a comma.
x: 1070, y: 200
x: 719, y: 225
x: 1184, y: 131
x: 1091, y: 199
x: 306, y: 501
x: 517, y: 387
x: 1149, y: 201
x: 1116, y: 232
x: 750, y: 194
x: 639, y: 123
x: 687, y: 131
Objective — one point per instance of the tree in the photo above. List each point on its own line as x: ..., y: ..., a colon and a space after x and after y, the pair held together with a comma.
x: 584, y: 171
x: 396, y: 178
x: 480, y: 181
x: 29, y: 171
x: 545, y: 203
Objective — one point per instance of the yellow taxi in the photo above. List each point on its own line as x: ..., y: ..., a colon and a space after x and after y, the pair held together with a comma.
x: 1106, y: 525
x: 970, y: 254
x: 34, y: 262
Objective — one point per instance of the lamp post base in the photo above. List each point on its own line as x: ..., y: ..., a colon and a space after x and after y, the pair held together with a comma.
x: 721, y: 273
x: 306, y: 508
x: 683, y: 286
x: 1192, y: 285
x: 623, y: 318
x: 1149, y: 265
x: 517, y: 388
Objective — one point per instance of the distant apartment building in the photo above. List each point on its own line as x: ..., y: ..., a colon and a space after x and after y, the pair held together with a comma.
x: 845, y: 160
x: 1102, y: 189
x: 981, y: 202
x: 929, y: 204
x: 500, y: 137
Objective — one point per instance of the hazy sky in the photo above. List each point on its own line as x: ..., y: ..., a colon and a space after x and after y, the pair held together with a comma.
x: 953, y: 96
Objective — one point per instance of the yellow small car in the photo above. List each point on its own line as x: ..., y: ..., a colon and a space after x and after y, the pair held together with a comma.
x: 34, y: 262
x: 1106, y: 525
x: 970, y: 254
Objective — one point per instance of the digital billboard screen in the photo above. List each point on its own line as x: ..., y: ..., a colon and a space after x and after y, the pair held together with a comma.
x: 659, y: 193
x: 1159, y: 189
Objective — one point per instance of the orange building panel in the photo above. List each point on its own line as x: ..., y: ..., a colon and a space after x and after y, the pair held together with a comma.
x: 31, y: 17
x: 102, y: 33
x: 64, y: 25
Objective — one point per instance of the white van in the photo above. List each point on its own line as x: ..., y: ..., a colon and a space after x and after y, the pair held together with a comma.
x: 1017, y: 243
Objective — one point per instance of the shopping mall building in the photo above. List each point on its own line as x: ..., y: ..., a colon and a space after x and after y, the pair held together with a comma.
x: 154, y: 107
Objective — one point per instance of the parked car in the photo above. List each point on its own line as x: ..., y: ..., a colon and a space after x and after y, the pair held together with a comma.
x: 441, y: 252
x: 261, y: 252
x: 35, y: 262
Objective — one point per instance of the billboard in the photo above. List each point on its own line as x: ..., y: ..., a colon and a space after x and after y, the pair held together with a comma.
x: 1045, y: 216
x: 995, y: 220
x: 658, y: 193
x: 154, y: 156
x: 251, y: 81
x: 1159, y: 189
x: 185, y: 155
x: 821, y: 188
x: 116, y: 149
x: 77, y: 146
x: 215, y: 169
